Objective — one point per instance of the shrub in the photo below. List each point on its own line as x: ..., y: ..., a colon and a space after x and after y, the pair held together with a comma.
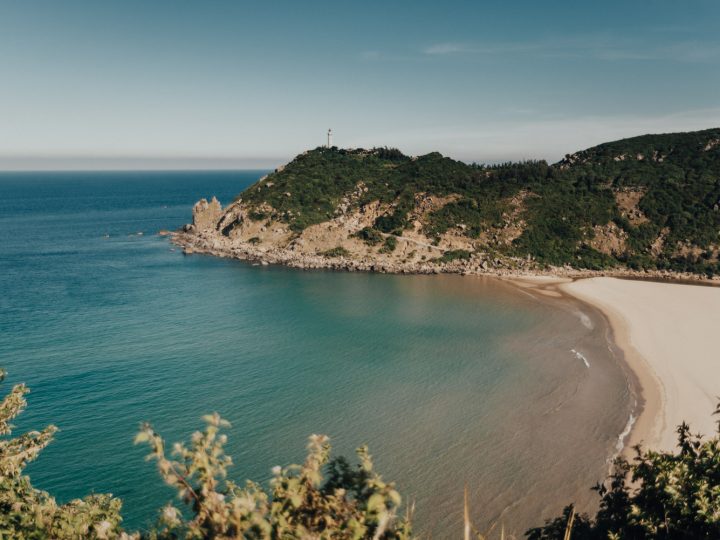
x: 370, y: 236
x: 389, y: 245
x: 454, y: 255
x: 26, y: 512
x: 322, y: 498
x: 337, y: 251
x: 351, y: 502
x: 673, y: 495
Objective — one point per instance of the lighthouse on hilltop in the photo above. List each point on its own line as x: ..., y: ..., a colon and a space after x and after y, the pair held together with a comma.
x: 329, y: 140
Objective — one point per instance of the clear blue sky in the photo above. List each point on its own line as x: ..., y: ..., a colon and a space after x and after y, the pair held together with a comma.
x: 216, y: 83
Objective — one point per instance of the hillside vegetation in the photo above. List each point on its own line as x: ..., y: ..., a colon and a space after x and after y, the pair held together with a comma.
x: 648, y: 202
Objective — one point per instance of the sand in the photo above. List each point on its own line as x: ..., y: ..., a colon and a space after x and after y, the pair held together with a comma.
x: 670, y: 335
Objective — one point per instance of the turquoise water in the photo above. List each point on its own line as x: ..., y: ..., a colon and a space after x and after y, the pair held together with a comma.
x: 449, y: 380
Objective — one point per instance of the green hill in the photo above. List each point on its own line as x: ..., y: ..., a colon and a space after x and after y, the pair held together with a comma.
x: 648, y: 202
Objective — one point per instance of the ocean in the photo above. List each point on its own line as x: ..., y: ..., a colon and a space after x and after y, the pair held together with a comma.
x: 450, y: 380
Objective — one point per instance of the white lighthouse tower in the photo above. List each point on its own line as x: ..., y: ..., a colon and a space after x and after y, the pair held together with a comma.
x: 329, y: 142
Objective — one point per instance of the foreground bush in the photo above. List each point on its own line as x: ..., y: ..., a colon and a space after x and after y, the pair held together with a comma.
x: 673, y: 495
x: 347, y: 502
x: 660, y: 495
x: 26, y: 512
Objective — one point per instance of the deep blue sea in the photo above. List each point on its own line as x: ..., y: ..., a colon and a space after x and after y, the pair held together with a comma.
x: 449, y: 380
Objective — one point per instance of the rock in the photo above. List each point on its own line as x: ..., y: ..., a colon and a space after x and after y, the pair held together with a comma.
x: 206, y: 214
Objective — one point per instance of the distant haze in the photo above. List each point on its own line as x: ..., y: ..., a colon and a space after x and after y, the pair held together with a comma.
x: 167, y: 85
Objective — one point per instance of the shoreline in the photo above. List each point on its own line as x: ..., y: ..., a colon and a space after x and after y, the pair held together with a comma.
x: 650, y: 405
x: 665, y: 333
x: 642, y: 390
x: 653, y: 417
x: 210, y: 243
x: 665, y: 393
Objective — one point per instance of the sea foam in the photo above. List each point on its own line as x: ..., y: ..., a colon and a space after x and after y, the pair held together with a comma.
x: 585, y: 320
x: 620, y: 444
x: 581, y: 356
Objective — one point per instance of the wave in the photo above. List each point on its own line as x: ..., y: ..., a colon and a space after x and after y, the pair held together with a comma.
x: 581, y: 356
x: 620, y: 444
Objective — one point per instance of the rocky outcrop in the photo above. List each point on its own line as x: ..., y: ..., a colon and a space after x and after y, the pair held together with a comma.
x: 609, y: 239
x: 628, y: 203
x: 206, y: 215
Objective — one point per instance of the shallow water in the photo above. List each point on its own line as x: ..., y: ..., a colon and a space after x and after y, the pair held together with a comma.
x: 450, y: 380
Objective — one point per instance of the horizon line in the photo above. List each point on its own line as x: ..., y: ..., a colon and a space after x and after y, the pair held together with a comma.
x: 133, y: 170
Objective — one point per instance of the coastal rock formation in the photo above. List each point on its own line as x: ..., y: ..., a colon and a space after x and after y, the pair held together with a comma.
x: 206, y: 214
x: 606, y: 210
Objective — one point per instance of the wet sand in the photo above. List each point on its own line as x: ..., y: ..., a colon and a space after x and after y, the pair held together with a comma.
x: 669, y: 334
x: 642, y: 388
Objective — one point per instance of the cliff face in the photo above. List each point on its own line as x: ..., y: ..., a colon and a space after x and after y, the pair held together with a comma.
x: 336, y: 243
x: 650, y: 202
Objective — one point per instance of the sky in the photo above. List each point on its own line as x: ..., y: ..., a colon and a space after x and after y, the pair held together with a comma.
x: 249, y: 84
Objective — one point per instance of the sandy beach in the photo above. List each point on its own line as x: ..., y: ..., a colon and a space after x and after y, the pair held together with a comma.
x: 669, y: 335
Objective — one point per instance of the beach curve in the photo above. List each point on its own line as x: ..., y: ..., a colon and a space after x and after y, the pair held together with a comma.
x: 667, y: 334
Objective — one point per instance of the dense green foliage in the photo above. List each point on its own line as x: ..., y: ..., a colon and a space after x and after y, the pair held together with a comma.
x: 370, y: 236
x: 308, y: 190
x: 389, y: 245
x: 676, y: 176
x: 680, y: 175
